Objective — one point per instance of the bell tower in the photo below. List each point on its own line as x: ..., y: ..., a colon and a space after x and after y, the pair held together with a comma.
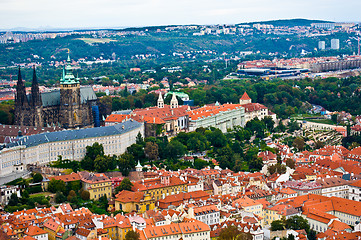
x: 70, y: 101
x: 160, y: 101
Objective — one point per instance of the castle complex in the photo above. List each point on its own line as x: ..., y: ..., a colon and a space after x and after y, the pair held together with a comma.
x: 70, y: 107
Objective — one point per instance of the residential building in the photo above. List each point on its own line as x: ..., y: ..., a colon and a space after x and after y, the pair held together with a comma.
x: 354, y: 191
x: 189, y: 230
x: 161, y: 187
x: 98, y: 184
x: 208, y: 214
x: 6, y: 192
x: 334, y: 186
x: 128, y: 201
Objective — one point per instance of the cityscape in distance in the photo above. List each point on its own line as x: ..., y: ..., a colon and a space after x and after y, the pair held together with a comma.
x: 179, y: 127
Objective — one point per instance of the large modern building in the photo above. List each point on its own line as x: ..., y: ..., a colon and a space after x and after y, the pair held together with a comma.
x: 70, y: 144
x: 70, y: 107
x: 335, y: 44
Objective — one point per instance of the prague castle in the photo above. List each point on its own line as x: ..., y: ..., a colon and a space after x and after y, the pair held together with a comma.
x: 70, y: 107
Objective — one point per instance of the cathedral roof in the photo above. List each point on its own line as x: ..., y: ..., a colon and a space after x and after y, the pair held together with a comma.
x: 53, y: 98
x: 34, y: 140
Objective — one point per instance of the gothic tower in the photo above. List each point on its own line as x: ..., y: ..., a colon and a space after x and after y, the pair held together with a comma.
x: 70, y: 101
x: 21, y: 103
x: 36, y: 103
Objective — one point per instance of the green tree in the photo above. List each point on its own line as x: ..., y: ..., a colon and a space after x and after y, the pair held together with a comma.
x: 132, y: 235
x: 126, y: 163
x: 59, y: 197
x: 125, y: 184
x: 268, y: 121
x: 37, y: 177
x: 297, y: 223
x: 175, y: 149
x: 256, y: 164
x: 277, y: 225
x: 311, y: 235
x: 293, y: 126
x: 14, y: 200
x: 56, y: 186
x: 91, y: 153
x: 101, y: 163
x: 216, y: 138
x: 199, y: 163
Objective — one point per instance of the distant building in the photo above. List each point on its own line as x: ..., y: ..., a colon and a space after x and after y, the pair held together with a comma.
x: 329, y: 26
x: 335, y: 44
x: 70, y: 107
x: 321, y: 45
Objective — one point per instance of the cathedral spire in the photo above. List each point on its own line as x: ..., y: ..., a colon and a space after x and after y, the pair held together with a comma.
x: 20, y: 97
x: 35, y: 93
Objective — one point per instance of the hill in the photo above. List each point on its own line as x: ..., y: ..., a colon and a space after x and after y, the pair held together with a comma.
x: 289, y: 22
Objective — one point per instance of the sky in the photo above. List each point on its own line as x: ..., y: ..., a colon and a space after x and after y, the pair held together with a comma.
x: 135, y: 13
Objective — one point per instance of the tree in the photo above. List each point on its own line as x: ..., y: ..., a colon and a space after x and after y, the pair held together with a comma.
x: 14, y: 200
x: 256, y: 164
x: 85, y: 195
x: 319, y: 144
x: 37, y: 177
x: 132, y: 235
x: 216, y: 138
x: 290, y: 163
x: 199, y: 163
x: 71, y: 195
x: 233, y: 233
x: 137, y: 151
x: 277, y: 168
x: 125, y: 184
x: 139, y: 139
x: 277, y: 225
x: 56, y: 185
x: 101, y: 163
x: 311, y: 235
x: 268, y: 121
x: 151, y: 150
x: 59, y: 197
x: 175, y: 149
x: 91, y: 153
x: 126, y: 163
x: 299, y: 143
x: 293, y: 126
x: 297, y: 223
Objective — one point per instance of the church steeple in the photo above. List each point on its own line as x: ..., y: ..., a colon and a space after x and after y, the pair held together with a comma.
x: 174, y: 101
x: 35, y: 93
x: 20, y: 97
x: 160, y: 100
x: 68, y: 77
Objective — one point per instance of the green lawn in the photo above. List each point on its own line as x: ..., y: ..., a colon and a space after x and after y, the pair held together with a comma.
x: 97, y: 40
x: 34, y: 195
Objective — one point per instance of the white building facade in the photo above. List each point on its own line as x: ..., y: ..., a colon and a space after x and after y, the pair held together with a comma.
x: 46, y: 147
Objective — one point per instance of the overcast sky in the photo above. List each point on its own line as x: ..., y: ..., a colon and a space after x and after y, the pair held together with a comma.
x: 126, y: 13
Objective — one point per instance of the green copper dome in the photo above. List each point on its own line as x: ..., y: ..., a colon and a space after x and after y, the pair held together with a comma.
x: 68, y: 76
